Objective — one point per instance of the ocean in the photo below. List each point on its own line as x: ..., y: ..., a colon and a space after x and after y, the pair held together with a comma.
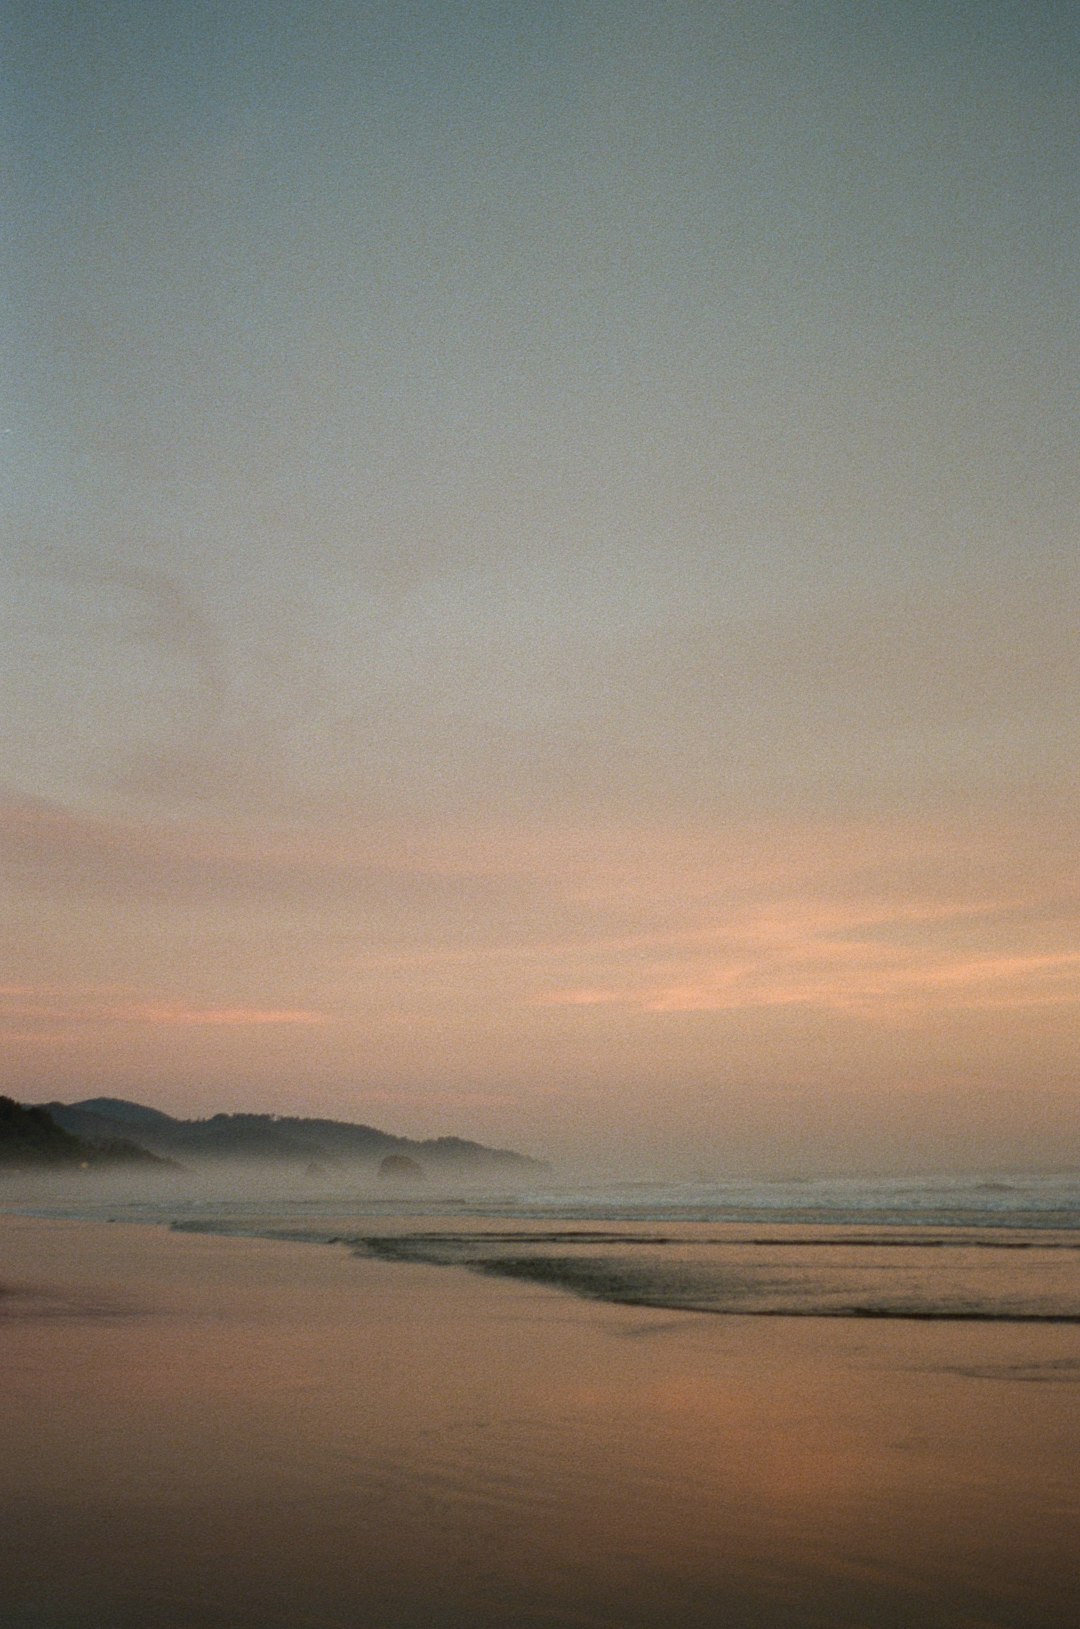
x: 886, y: 1247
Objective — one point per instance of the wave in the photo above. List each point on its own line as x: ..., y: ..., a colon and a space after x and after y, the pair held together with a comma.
x: 976, y: 1250
x: 716, y: 1276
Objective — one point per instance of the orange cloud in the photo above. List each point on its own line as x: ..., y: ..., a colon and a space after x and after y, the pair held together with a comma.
x: 866, y: 978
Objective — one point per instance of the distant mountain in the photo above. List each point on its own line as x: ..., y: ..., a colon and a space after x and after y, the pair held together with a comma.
x: 30, y: 1138
x: 278, y: 1138
x: 120, y: 1110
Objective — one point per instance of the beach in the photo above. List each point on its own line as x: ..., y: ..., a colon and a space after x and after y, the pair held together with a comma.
x: 208, y: 1432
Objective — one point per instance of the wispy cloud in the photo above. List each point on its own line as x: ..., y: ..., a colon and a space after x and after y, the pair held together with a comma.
x: 50, y: 846
x: 876, y: 959
x: 171, y: 1013
x: 76, y: 1009
x: 852, y: 978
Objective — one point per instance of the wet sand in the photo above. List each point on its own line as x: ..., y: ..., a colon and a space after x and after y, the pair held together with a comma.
x: 220, y: 1433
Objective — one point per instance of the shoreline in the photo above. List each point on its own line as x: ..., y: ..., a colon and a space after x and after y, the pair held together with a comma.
x: 884, y: 1274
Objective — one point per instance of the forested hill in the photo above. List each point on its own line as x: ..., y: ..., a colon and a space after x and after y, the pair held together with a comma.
x: 31, y: 1139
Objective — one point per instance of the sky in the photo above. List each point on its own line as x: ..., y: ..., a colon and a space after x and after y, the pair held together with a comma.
x: 540, y: 575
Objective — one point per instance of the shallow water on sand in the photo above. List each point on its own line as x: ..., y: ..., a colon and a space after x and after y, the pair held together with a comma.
x: 208, y: 1432
x: 781, y: 1273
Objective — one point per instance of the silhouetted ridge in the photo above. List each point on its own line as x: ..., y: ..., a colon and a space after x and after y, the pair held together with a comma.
x: 281, y: 1138
x: 118, y: 1108
x: 31, y: 1137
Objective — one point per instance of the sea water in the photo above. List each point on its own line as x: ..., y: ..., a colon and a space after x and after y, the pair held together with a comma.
x: 998, y: 1247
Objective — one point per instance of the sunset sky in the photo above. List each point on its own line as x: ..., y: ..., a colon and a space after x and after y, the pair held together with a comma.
x: 540, y: 572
